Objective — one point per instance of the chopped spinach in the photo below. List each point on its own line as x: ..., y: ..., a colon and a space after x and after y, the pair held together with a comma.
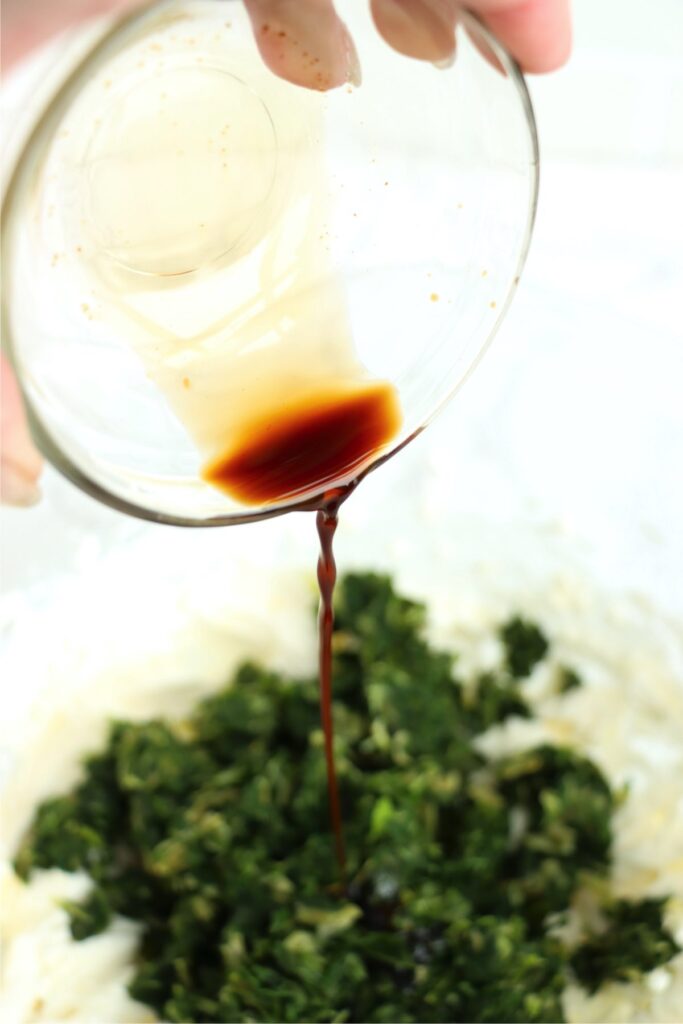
x: 90, y: 917
x: 525, y: 645
x: 568, y: 679
x: 213, y: 834
x: 632, y: 939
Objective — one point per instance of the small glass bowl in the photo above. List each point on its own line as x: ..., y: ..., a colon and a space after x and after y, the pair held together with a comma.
x: 431, y: 188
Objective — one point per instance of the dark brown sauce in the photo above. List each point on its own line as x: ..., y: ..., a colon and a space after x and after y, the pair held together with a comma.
x: 301, y: 449
x: 308, y: 446
x: 327, y: 519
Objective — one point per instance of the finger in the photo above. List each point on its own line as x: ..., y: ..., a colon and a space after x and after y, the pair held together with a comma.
x: 417, y: 28
x: 537, y: 33
x: 305, y: 42
x: 20, y: 463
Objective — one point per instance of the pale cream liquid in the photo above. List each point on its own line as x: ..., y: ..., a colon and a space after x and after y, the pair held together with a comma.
x: 202, y: 227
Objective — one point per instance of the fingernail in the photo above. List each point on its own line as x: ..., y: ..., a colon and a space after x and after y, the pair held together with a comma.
x: 17, y: 489
x: 418, y: 28
x: 445, y: 63
x: 354, y: 75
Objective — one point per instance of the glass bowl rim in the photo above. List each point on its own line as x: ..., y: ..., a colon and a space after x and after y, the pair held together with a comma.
x: 40, y: 433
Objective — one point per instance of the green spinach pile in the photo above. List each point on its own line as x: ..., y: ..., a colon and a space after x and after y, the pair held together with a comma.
x: 213, y: 833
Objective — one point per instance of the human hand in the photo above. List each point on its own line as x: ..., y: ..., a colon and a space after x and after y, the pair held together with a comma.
x: 305, y: 42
